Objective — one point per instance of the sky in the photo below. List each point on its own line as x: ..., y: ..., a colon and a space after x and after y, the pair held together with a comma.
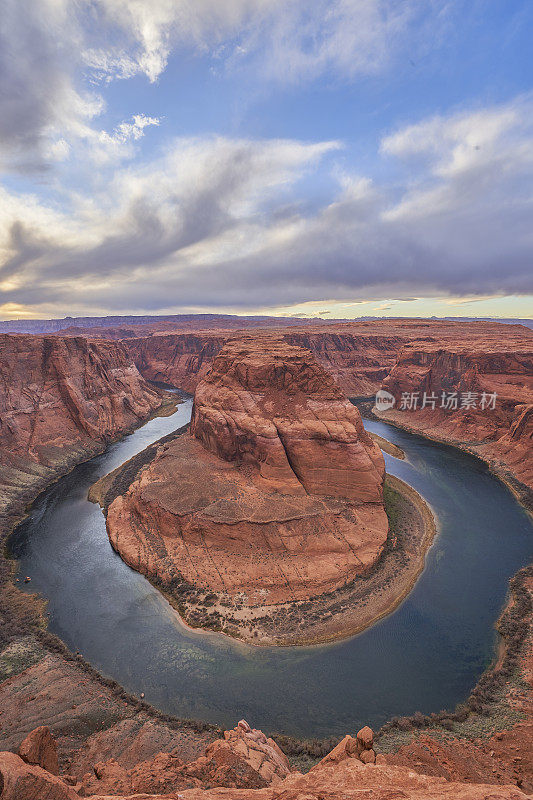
x: 338, y: 158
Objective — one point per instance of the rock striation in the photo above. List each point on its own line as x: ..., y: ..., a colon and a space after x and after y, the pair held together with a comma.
x: 61, y: 400
x: 500, y: 432
x: 271, y: 405
x: 274, y: 496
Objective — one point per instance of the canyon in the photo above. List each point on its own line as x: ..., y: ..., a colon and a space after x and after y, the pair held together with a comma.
x: 64, y: 397
x: 401, y: 356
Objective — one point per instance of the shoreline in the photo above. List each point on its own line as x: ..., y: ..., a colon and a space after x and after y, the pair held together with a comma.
x: 333, y: 616
x: 520, y: 491
x: 18, y: 508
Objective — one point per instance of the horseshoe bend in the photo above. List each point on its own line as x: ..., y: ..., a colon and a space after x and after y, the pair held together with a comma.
x: 268, y: 519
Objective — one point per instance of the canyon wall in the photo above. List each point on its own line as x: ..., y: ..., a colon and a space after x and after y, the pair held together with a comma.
x: 487, y: 403
x: 61, y: 400
x: 359, y: 354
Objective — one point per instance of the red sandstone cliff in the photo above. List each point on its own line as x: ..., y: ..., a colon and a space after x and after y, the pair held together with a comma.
x: 403, y: 356
x: 495, y: 419
x: 274, y: 496
x: 61, y: 400
x: 269, y: 404
x: 359, y: 354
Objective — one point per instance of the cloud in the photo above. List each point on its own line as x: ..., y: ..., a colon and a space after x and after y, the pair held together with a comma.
x: 207, y: 224
x: 347, y: 38
x: 56, y: 56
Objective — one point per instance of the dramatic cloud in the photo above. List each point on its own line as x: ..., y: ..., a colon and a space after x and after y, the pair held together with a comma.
x: 109, y: 223
x: 56, y: 56
x: 217, y: 222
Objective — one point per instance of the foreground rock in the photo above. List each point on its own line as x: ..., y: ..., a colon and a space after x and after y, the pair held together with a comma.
x: 275, y: 496
x: 39, y: 748
x: 338, y: 777
x: 245, y: 758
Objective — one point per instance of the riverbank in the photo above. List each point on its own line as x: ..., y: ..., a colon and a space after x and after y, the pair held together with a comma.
x: 523, y: 493
x: 19, y: 612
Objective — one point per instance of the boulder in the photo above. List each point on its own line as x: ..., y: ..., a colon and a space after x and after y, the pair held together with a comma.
x: 39, y: 748
x: 21, y: 781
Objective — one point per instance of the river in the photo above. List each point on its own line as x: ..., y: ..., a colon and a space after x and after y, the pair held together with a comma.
x: 427, y: 655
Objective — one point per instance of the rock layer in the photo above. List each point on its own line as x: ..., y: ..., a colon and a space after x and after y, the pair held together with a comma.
x: 275, y: 495
x: 273, y: 406
x: 501, y: 432
x: 62, y: 399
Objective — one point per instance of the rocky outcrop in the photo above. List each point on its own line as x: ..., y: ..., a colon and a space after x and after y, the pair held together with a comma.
x: 273, y: 406
x: 481, y: 396
x: 61, y: 400
x: 274, y: 496
x: 339, y: 779
x: 244, y: 758
x: 39, y: 748
x: 246, y: 764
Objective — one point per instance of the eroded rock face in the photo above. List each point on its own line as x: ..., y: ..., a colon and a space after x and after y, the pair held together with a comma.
x: 39, y: 748
x: 61, y: 398
x: 276, y: 493
x: 273, y: 406
x: 501, y: 432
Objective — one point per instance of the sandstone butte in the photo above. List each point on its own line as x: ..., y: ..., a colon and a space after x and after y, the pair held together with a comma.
x: 274, y: 495
x: 244, y: 765
x: 61, y: 400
